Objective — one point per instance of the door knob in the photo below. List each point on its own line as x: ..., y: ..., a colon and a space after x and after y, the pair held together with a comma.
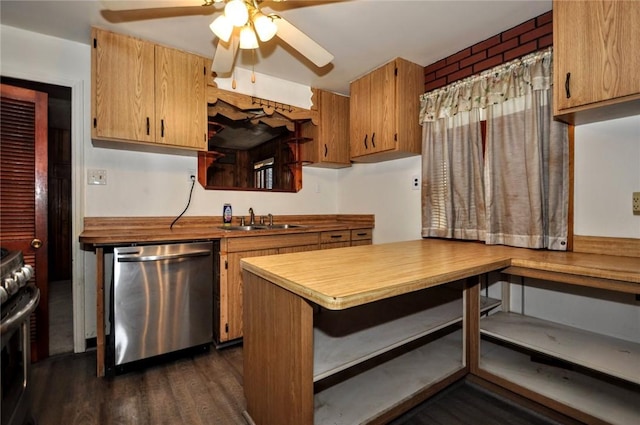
x: 36, y: 243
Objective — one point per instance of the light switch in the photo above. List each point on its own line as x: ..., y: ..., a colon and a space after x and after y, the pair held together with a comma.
x: 97, y: 177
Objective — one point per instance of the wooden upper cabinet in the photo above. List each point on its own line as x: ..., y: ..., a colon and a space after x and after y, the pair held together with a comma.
x: 384, y: 112
x: 181, y: 108
x: 122, y: 88
x: 330, y: 145
x: 595, y: 60
x: 145, y: 93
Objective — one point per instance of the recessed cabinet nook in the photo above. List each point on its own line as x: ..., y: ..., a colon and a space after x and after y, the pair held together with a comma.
x: 384, y: 105
x: 596, y: 60
x: 146, y: 93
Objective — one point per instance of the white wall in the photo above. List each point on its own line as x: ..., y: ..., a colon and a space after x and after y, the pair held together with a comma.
x: 385, y: 190
x: 607, y: 172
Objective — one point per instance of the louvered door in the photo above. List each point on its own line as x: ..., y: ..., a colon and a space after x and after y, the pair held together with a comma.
x: 23, y: 193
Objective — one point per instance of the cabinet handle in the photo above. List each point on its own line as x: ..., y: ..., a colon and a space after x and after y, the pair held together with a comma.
x: 161, y: 128
x: 365, y: 141
x: 373, y: 140
x: 336, y: 236
x: 566, y: 85
x: 148, y: 126
x: 325, y: 150
x: 361, y: 234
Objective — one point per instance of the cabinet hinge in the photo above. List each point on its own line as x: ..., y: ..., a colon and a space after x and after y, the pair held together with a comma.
x: 226, y: 265
x: 226, y: 328
x: 95, y: 123
x: 95, y: 43
x: 395, y: 137
x: 205, y: 70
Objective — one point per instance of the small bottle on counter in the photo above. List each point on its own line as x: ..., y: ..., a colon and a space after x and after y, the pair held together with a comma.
x: 227, y: 215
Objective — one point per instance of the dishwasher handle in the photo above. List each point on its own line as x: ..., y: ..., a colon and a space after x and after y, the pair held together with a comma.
x: 135, y: 257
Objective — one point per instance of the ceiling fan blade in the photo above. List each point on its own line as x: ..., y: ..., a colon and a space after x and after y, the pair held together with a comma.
x: 225, y: 56
x: 117, y: 5
x: 302, y: 43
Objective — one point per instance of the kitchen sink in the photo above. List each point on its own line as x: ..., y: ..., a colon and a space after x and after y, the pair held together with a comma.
x: 262, y: 227
x: 284, y: 226
x: 244, y: 228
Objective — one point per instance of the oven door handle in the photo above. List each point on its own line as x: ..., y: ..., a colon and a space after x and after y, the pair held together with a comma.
x: 21, y: 315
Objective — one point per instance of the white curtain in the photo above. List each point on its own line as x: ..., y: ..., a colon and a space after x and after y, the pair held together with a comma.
x: 453, y: 198
x: 524, y: 192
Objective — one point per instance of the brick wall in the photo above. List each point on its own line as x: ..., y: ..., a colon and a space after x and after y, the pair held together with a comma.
x: 513, y: 43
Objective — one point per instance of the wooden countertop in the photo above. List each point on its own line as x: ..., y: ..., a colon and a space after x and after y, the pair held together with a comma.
x: 106, y: 231
x: 346, y: 277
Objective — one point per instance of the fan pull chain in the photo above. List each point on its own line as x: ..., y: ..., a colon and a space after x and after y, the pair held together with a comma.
x: 253, y: 63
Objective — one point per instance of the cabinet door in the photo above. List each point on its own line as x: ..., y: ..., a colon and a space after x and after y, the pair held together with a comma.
x: 330, y: 144
x: 334, y: 128
x: 597, y: 42
x: 234, y: 291
x: 180, y: 98
x: 359, y: 116
x: 123, y: 87
x: 382, y: 109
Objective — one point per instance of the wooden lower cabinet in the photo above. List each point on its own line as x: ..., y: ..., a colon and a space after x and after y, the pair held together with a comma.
x: 232, y: 326
x: 335, y: 239
x: 361, y: 237
x: 228, y: 322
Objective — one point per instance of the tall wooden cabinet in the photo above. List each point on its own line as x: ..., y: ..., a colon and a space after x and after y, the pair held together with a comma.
x: 330, y: 145
x: 146, y: 93
x: 595, y: 59
x: 384, y: 108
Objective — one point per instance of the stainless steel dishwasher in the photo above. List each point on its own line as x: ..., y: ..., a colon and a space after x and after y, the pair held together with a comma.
x: 161, y: 300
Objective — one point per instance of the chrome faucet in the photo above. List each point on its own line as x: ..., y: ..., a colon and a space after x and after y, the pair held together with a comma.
x: 252, y: 217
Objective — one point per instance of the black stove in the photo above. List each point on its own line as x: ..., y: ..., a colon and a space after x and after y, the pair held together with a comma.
x: 14, y: 275
x: 19, y: 298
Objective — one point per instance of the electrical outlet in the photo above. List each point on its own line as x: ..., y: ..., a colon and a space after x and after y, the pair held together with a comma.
x: 636, y: 203
x: 97, y: 177
x: 415, y: 182
x: 191, y: 175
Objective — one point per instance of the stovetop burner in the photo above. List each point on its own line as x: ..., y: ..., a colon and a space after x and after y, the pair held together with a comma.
x: 14, y: 274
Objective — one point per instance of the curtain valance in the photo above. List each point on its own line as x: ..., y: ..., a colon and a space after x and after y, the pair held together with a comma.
x: 491, y: 87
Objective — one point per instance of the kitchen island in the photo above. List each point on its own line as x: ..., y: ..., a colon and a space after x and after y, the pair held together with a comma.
x: 362, y: 334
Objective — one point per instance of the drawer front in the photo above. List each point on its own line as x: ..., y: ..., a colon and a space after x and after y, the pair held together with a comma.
x: 335, y: 236
x: 273, y: 241
x: 361, y: 234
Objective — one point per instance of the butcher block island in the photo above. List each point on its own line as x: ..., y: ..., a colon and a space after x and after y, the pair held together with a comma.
x: 362, y: 334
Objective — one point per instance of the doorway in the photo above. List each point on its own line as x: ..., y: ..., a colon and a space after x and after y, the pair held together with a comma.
x: 59, y: 213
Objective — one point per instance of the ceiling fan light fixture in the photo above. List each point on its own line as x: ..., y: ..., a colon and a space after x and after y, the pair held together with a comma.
x: 265, y: 27
x: 237, y: 13
x: 222, y: 28
x: 248, y: 38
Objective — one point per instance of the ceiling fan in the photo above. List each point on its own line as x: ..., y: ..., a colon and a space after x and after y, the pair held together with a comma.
x: 240, y: 26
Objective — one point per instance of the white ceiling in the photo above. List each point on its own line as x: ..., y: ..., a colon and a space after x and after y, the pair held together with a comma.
x: 361, y: 34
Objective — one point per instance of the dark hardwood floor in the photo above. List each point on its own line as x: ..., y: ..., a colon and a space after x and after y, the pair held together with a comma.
x: 206, y: 389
